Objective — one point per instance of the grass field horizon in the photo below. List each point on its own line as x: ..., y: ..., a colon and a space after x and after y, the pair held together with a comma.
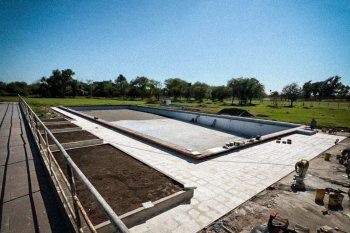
x: 328, y: 114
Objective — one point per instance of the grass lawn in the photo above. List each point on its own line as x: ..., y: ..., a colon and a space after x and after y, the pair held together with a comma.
x: 38, y: 104
x: 327, y: 114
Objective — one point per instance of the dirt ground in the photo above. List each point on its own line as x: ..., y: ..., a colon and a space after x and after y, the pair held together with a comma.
x: 235, y: 112
x: 298, y: 207
x: 47, y: 114
x: 123, y: 181
x: 73, y: 136
x: 61, y: 126
x: 122, y: 114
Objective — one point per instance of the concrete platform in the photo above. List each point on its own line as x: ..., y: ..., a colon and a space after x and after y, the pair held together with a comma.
x: 27, y: 200
x: 223, y: 182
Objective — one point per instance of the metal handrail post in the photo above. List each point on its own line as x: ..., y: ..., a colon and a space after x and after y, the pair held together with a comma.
x: 36, y: 129
x: 73, y: 191
x: 47, y: 149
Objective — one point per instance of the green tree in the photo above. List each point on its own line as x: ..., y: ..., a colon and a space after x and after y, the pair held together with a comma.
x: 245, y: 89
x: 188, y: 94
x: 3, y: 89
x: 34, y: 89
x: 104, y: 89
x: 330, y: 88
x: 90, y: 85
x: 77, y: 88
x: 139, y: 87
x: 143, y: 87
x: 274, y: 97
x: 291, y: 92
x: 44, y: 89
x: 59, y: 83
x: 155, y: 89
x: 15, y: 88
x: 307, y: 90
x: 201, y: 91
x: 255, y: 89
x: 176, y: 87
x: 67, y: 82
x: 316, y: 89
x: 232, y: 84
x: 122, y: 86
x: 220, y: 93
x: 343, y: 92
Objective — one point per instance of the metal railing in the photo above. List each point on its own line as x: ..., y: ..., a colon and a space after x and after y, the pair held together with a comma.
x: 72, y: 202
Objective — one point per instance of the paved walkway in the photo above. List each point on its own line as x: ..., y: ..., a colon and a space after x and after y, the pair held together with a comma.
x: 222, y: 182
x: 27, y: 200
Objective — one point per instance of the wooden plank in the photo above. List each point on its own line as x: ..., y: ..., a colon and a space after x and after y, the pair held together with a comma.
x: 27, y: 203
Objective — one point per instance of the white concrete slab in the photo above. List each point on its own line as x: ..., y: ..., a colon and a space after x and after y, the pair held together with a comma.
x: 186, y: 135
x: 223, y: 182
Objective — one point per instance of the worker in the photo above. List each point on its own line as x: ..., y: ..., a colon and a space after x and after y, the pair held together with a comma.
x: 345, y: 159
x: 313, y: 123
x: 346, y: 151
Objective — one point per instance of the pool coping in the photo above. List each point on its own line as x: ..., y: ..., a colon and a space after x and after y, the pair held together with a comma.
x: 196, y: 154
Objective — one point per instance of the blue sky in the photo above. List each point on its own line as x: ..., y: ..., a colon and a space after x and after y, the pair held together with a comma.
x: 277, y: 42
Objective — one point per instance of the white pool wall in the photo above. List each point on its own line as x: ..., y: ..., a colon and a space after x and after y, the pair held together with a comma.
x: 248, y: 127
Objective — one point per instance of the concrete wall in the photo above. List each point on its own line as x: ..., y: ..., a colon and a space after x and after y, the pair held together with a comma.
x: 240, y: 126
x: 237, y: 125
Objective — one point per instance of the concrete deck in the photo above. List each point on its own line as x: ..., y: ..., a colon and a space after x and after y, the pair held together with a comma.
x: 27, y: 200
x: 222, y: 182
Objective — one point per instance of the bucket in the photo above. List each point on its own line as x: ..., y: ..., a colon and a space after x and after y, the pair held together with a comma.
x: 335, y: 200
x: 327, y: 156
x: 320, y: 193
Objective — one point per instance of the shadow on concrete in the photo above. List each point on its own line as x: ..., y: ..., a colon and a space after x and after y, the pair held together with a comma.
x: 4, y: 176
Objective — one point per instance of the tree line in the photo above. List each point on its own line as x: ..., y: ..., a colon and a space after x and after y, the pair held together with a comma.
x: 61, y: 84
